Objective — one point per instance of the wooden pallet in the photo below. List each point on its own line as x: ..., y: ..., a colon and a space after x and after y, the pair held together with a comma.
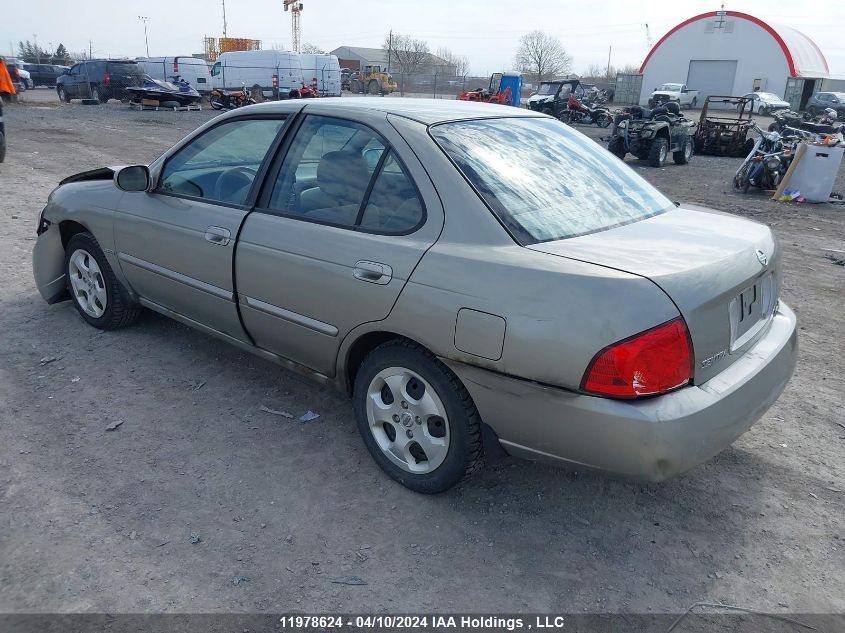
x: 151, y: 104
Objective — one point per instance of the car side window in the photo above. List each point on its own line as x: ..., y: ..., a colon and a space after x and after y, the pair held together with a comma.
x: 220, y: 165
x: 327, y: 171
x: 394, y: 205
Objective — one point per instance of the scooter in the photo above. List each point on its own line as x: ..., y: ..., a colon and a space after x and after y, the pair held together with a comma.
x: 577, y: 112
x: 222, y: 100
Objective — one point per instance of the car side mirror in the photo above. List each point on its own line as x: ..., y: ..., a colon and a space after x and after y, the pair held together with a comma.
x: 133, y: 178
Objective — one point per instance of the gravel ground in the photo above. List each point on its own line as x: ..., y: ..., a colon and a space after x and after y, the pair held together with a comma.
x: 104, y: 521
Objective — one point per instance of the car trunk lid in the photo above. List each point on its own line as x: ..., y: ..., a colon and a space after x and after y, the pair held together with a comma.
x: 721, y: 271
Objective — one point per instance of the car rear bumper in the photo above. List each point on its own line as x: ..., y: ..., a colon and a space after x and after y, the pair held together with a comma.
x: 654, y: 438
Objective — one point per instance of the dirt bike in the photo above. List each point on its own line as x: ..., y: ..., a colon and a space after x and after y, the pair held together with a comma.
x: 577, y: 112
x: 222, y: 100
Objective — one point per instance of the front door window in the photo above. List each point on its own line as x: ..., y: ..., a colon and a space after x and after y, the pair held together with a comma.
x: 221, y: 165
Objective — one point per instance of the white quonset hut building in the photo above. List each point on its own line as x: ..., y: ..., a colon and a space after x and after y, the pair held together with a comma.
x: 732, y: 53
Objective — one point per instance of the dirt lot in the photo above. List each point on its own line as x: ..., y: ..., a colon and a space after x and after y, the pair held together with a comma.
x: 103, y: 521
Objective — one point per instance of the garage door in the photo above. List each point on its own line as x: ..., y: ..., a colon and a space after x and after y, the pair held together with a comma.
x: 711, y: 77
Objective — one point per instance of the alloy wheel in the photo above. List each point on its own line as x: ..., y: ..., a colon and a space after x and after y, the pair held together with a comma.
x: 407, y: 420
x: 88, y: 284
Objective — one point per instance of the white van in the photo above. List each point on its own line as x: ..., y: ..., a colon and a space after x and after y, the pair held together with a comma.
x: 325, y: 69
x: 265, y: 70
x: 194, y: 71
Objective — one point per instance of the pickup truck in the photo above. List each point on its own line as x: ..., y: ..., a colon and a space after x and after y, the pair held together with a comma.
x: 674, y: 92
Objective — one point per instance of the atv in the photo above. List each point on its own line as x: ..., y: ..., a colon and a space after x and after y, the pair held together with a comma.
x: 652, y: 135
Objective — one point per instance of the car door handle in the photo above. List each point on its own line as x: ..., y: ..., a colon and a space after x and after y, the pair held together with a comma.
x: 373, y: 272
x: 217, y: 235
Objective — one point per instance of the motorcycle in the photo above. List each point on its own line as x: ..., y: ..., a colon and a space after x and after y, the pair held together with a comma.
x: 766, y: 164
x: 577, y: 112
x: 222, y: 100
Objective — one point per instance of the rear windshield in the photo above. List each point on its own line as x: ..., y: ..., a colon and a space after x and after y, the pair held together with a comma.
x: 545, y: 181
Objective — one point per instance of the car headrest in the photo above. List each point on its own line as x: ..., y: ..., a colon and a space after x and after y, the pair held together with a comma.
x: 343, y: 176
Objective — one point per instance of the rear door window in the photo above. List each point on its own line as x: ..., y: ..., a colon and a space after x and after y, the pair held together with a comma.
x: 343, y: 173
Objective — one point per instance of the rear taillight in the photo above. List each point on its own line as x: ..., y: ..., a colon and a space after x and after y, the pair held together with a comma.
x: 649, y: 363
x: 106, y: 79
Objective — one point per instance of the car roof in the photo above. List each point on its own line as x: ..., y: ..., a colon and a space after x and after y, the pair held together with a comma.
x: 428, y: 111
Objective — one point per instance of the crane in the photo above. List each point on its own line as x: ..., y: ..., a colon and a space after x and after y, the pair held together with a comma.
x: 295, y: 7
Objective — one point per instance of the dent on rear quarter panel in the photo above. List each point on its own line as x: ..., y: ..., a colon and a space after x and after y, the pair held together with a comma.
x: 559, y: 313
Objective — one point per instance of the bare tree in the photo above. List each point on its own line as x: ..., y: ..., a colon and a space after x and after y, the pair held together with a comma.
x: 542, y: 55
x: 407, y: 53
x: 459, y: 62
x: 312, y: 49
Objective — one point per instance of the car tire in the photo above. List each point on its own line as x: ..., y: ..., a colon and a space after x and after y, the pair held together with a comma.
x: 693, y: 103
x: 411, y: 410
x: 616, y: 146
x: 99, y: 297
x: 63, y: 95
x: 659, y: 152
x: 683, y: 156
x: 95, y: 95
x: 2, y: 147
x: 373, y: 87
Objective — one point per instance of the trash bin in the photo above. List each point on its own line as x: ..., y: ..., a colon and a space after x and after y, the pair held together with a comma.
x: 816, y: 172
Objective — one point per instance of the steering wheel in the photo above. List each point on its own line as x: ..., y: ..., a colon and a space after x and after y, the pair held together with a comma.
x: 233, y: 181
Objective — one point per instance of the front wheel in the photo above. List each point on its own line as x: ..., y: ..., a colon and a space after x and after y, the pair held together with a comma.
x: 374, y: 88
x: 97, y: 294
x: 659, y: 152
x: 63, y: 95
x: 215, y: 102
x: 603, y: 120
x: 416, y: 418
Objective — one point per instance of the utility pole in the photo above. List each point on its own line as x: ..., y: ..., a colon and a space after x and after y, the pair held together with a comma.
x: 224, y: 18
x: 607, y: 72
x: 145, y: 19
x: 37, y: 51
x: 90, y: 49
x: 389, y: 50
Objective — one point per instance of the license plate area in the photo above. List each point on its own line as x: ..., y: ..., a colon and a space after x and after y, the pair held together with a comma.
x: 750, y: 310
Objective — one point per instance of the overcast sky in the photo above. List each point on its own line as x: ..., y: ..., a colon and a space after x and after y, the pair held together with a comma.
x: 486, y: 31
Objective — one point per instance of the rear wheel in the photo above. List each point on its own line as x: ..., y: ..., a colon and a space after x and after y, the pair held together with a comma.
x: 95, y: 95
x: 659, y: 152
x: 63, y: 95
x: 616, y: 146
x: 603, y: 120
x: 683, y: 156
x: 416, y: 418
x: 97, y: 294
x: 694, y: 102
